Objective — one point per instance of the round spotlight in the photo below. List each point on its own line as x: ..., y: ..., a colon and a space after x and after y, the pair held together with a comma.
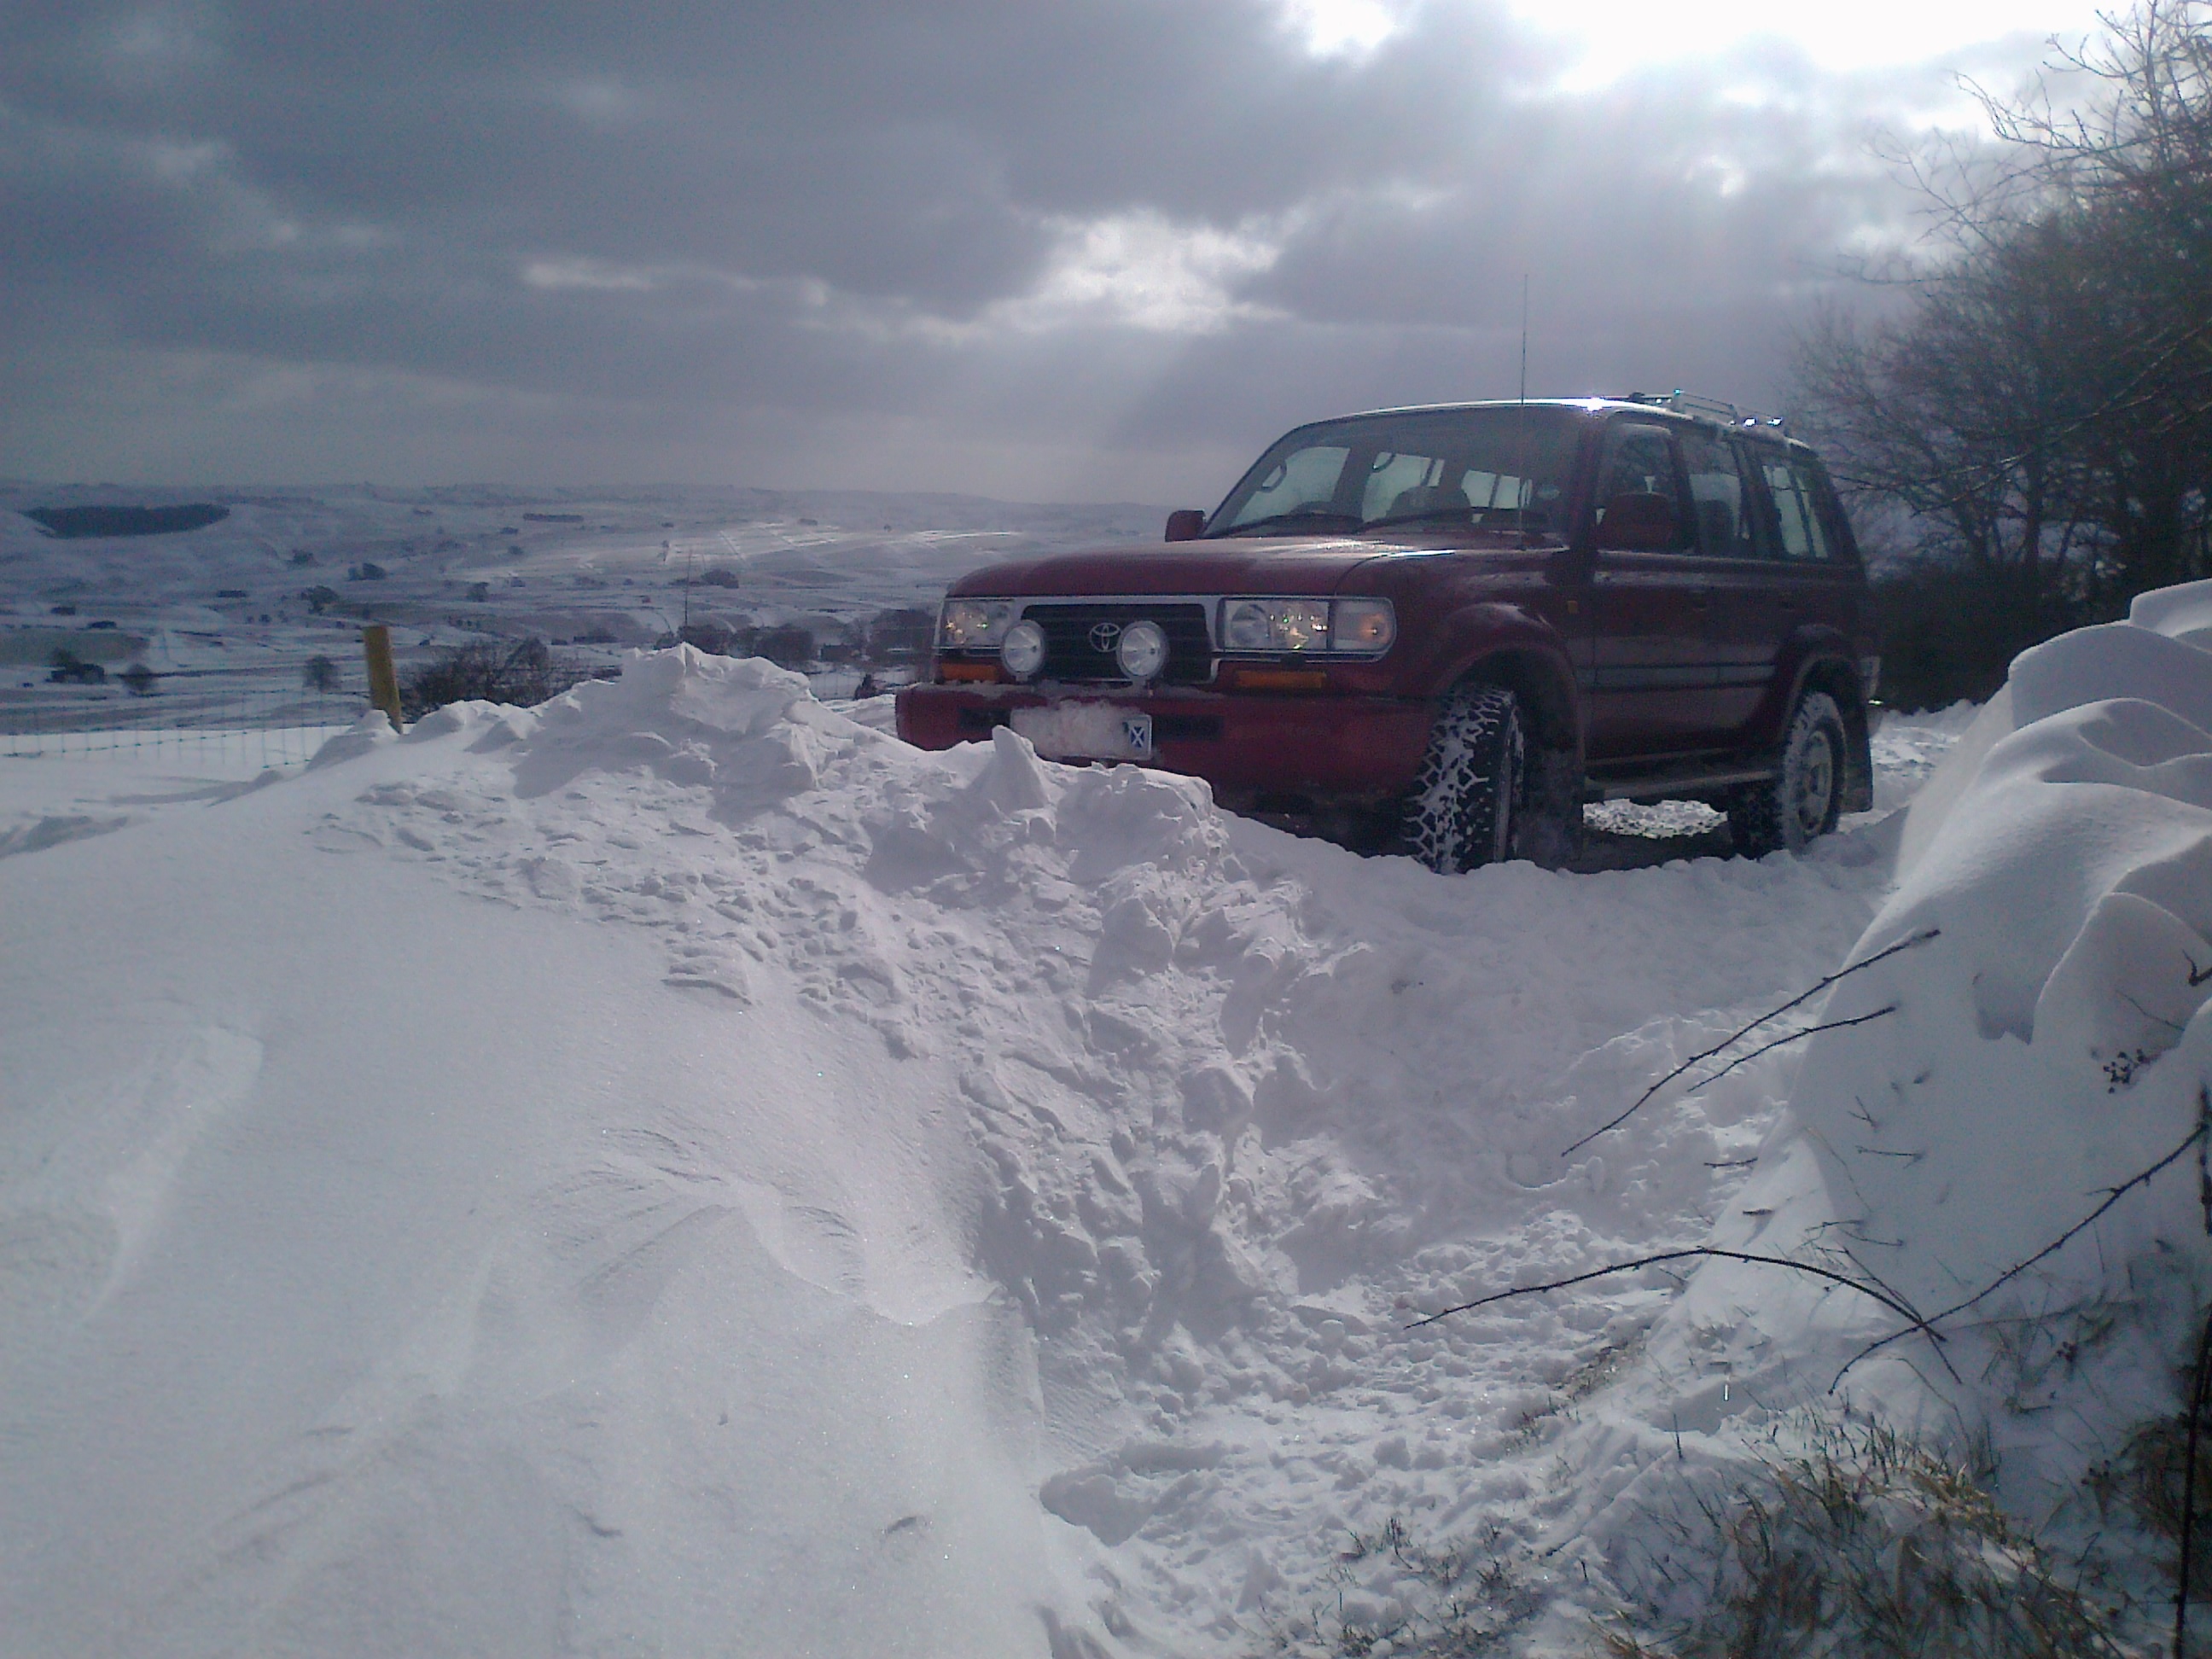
x: 1143, y: 651
x: 1023, y: 650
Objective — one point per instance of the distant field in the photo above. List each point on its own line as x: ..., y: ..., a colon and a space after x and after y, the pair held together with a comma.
x: 273, y: 578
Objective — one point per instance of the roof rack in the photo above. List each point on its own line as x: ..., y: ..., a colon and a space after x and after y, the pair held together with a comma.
x: 1711, y: 409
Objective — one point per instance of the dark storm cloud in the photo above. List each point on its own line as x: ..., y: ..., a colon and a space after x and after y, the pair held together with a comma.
x: 1146, y: 226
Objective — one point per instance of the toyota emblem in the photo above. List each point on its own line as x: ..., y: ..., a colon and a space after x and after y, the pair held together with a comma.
x: 1103, y: 636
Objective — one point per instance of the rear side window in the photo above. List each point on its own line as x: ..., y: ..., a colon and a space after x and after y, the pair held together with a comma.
x: 1799, y: 523
x: 1718, y: 498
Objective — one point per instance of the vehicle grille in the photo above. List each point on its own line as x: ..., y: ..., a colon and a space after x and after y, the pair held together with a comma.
x: 1069, y: 653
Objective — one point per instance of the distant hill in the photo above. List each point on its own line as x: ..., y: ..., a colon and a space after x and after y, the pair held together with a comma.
x: 75, y: 523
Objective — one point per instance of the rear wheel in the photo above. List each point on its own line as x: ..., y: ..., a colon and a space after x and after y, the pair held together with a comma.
x: 1461, y: 812
x: 1801, y: 801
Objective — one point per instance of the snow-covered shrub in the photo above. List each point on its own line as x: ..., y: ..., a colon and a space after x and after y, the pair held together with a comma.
x: 523, y: 675
x: 1863, y: 1541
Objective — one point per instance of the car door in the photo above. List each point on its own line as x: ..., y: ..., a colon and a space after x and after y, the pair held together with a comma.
x: 1652, y: 671
x: 1748, y: 617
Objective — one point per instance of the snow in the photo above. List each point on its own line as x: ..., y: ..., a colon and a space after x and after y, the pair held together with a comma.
x: 2035, y: 1041
x: 678, y: 1170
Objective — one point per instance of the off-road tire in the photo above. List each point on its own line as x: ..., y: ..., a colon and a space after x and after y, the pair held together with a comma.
x: 1467, y: 794
x: 1801, y: 801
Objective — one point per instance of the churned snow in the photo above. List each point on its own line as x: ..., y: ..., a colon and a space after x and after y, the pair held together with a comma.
x: 678, y: 1170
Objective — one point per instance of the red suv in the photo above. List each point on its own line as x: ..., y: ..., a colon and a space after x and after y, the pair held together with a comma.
x: 1441, y: 630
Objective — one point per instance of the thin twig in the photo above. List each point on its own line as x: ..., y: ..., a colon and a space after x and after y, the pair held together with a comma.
x: 1896, y: 1304
x: 1921, y: 937
x: 2111, y: 1197
x: 1810, y: 1030
x: 1740, y: 1059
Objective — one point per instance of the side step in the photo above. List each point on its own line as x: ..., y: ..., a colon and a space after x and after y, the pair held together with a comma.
x: 1666, y: 785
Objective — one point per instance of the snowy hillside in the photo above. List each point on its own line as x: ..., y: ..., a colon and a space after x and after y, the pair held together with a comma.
x: 679, y: 1171
x: 290, y: 573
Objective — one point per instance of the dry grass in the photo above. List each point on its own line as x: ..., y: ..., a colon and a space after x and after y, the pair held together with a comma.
x: 1395, y: 1596
x: 1867, y: 1544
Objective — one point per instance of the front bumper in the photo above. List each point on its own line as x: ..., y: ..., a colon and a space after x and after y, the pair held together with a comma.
x: 1328, y: 748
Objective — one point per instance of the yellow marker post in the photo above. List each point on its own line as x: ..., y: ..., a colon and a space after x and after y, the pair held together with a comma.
x: 383, y: 678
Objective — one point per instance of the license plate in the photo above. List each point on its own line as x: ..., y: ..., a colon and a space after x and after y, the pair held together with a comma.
x: 1086, y: 731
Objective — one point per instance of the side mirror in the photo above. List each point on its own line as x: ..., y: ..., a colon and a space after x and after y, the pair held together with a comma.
x: 1185, y: 523
x: 1637, y: 522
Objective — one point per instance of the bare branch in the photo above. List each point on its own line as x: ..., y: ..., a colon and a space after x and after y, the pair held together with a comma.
x: 1895, y: 1304
x: 1733, y: 1038
x: 2112, y: 1196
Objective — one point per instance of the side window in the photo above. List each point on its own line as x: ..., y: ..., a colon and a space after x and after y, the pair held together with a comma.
x: 1718, y: 498
x: 1399, y: 483
x: 1307, y: 478
x: 1797, y: 517
x: 1639, y: 499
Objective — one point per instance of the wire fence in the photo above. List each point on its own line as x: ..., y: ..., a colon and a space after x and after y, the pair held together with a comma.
x: 267, y: 719
x: 273, y: 711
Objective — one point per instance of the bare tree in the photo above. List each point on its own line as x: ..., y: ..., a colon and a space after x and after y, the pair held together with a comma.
x: 2043, y: 406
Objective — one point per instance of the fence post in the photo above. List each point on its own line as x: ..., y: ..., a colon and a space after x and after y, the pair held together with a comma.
x: 383, y: 678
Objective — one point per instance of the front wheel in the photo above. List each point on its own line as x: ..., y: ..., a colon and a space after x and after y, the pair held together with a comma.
x: 1467, y: 793
x: 1801, y: 801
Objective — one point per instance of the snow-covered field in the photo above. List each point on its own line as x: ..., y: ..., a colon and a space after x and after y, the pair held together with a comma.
x: 230, y: 613
x: 677, y: 1171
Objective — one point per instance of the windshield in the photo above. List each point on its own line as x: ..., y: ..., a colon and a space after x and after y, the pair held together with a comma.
x: 1502, y: 467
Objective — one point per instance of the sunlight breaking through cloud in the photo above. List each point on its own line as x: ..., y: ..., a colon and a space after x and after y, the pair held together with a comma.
x: 1342, y: 28
x: 1141, y: 270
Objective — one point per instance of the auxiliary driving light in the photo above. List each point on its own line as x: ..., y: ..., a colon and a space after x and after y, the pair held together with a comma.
x: 1023, y: 650
x: 1143, y: 651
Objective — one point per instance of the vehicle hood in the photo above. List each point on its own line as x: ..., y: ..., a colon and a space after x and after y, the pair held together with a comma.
x: 1303, y: 564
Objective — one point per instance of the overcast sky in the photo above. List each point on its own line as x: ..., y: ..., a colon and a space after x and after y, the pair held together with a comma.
x: 1042, y: 249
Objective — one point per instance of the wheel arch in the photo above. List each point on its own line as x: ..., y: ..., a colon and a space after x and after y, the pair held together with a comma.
x: 1839, y: 677
x: 1542, y: 682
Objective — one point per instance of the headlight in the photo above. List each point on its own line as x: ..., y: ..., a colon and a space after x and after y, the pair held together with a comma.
x: 1362, y: 628
x: 973, y: 625
x: 1275, y: 625
x: 1143, y: 651
x: 1023, y: 653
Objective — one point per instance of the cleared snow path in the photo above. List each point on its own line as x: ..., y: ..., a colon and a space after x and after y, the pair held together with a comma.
x: 680, y: 1171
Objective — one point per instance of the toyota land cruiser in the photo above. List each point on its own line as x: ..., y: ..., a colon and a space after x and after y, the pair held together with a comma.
x: 1441, y: 630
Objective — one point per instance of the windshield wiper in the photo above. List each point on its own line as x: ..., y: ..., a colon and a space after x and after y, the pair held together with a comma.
x: 1306, y: 514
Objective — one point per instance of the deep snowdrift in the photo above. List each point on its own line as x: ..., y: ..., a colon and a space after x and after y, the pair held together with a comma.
x: 2044, y: 1041
x: 679, y: 1170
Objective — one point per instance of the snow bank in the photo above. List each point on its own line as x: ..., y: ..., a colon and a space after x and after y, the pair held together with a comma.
x: 2049, y: 1042
x: 2044, y: 1041
x: 679, y: 1168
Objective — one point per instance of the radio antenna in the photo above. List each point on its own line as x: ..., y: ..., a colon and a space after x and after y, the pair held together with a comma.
x: 1524, y: 340
x: 1521, y: 424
